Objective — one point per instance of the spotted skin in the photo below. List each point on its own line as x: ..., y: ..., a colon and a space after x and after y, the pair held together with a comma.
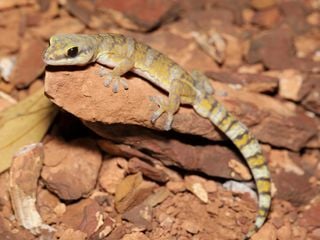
x: 125, y: 54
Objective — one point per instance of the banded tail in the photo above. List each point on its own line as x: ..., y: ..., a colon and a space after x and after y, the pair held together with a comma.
x: 249, y: 147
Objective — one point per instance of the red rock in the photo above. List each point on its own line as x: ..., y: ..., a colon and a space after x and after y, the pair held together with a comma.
x: 295, y: 15
x: 233, y: 51
x: 152, y: 172
x: 24, y: 175
x: 71, y: 169
x: 293, y: 188
x: 29, y: 62
x: 217, y: 19
x: 176, y: 187
x: 267, y: 232
x: 250, y: 82
x: 275, y: 131
x: 11, y: 4
x: 117, y: 233
x: 271, y: 120
x: 299, y: 232
x: 307, y: 44
x: 235, y: 6
x: 212, y: 14
x: 262, y: 4
x: 145, y: 14
x: 6, y: 88
x: 294, y: 85
x: 173, y: 152
x: 83, y: 10
x: 191, y: 226
x: 111, y: 174
x: 274, y: 48
x: 71, y: 234
x: 310, y: 161
x: 316, y: 233
x: 192, y: 6
x: 123, y: 150
x: 59, y: 25
x: 4, y: 192
x: 48, y: 9
x: 8, y: 47
x: 48, y: 204
x: 285, y: 160
x: 267, y: 18
x: 306, y: 65
x: 312, y: 100
x: 87, y: 83
x: 84, y: 216
x: 7, y: 233
x: 140, y: 216
x: 314, y: 142
x: 135, y: 236
x: 285, y: 232
x: 310, y: 217
x: 105, y: 228
x: 314, y: 19
x: 178, y: 43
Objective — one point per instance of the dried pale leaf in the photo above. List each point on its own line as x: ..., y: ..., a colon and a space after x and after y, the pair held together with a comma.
x: 23, y: 124
x: 128, y: 185
x: 157, y: 197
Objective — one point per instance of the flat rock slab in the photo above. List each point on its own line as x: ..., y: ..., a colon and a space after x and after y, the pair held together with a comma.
x: 81, y: 92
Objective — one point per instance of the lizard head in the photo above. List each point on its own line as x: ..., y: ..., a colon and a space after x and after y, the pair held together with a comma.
x: 70, y: 49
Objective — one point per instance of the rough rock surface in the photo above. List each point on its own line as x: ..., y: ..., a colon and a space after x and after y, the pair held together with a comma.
x: 111, y: 174
x: 80, y: 154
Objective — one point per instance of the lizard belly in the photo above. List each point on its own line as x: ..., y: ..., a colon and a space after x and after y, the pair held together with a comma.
x: 162, y: 84
x: 104, y: 60
x: 107, y: 61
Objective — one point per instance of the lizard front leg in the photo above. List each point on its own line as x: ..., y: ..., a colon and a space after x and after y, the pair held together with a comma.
x: 169, y: 105
x: 115, y: 75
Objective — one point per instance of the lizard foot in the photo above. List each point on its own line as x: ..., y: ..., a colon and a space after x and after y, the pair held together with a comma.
x: 163, y: 107
x: 102, y: 71
x: 117, y: 80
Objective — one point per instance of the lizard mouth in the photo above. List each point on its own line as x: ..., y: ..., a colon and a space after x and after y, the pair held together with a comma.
x: 58, y: 61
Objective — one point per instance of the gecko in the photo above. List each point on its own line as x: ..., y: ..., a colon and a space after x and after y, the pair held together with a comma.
x: 124, y: 54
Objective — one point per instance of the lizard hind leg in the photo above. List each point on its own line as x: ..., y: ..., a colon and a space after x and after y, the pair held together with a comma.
x: 168, y: 106
x: 203, y: 83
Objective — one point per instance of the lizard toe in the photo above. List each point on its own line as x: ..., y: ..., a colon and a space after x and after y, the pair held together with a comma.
x: 107, y: 81
x: 156, y: 115
x: 169, y: 121
x: 124, y: 83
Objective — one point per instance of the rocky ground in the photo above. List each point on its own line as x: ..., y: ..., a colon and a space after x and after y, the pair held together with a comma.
x: 104, y: 171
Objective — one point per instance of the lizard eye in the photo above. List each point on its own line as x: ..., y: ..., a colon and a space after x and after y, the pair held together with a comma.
x: 72, y: 52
